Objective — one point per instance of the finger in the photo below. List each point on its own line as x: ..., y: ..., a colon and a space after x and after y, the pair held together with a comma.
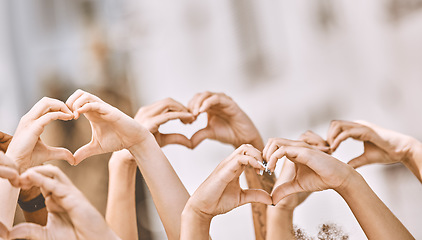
x: 315, y: 140
x: 209, y: 102
x: 87, y: 151
x: 334, y: 130
x: 255, y: 196
x: 52, y: 116
x: 91, y: 107
x: 175, y: 138
x: 167, y: 105
x: 28, y: 231
x: 51, y: 171
x: 6, y: 161
x: 183, y: 116
x: 360, y: 161
x: 60, y: 154
x: 201, y: 135
x: 272, y: 147
x: 31, y: 178
x: 355, y: 133
x: 77, y: 94
x: 196, y: 102
x: 10, y: 174
x: 46, y: 105
x: 81, y: 101
x: 272, y: 161
x: 285, y: 190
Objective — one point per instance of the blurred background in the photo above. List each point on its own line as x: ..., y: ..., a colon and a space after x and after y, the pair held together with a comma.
x: 290, y: 65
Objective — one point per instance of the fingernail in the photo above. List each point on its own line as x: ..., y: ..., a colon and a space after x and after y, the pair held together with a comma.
x: 261, y: 172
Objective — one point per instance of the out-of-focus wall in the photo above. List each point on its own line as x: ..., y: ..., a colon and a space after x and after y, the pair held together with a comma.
x: 291, y: 65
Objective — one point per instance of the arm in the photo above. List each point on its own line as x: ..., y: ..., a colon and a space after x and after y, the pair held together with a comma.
x: 380, y: 145
x: 221, y: 192
x: 112, y: 130
x: 121, y: 205
x: 317, y: 171
x: 228, y: 123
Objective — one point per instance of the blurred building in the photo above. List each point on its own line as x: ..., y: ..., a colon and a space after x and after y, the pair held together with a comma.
x: 291, y: 65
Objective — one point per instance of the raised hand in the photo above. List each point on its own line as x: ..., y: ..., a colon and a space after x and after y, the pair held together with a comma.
x: 70, y: 216
x: 315, y: 170
x: 154, y: 115
x: 227, y: 123
x: 221, y: 192
x: 112, y: 130
x: 26, y: 147
x: 380, y: 145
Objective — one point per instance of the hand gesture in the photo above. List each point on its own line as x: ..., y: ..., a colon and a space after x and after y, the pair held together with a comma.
x: 227, y: 123
x: 154, y: 115
x: 70, y: 215
x: 380, y: 145
x: 315, y: 170
x: 26, y: 147
x: 221, y: 192
x: 112, y: 130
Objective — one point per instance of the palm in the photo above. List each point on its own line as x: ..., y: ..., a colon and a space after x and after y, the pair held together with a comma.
x: 374, y: 154
x: 229, y: 200
x: 60, y: 227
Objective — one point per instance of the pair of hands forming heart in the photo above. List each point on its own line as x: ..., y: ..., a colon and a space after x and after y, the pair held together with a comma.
x: 313, y: 170
x: 227, y: 123
x: 70, y: 215
x: 112, y: 130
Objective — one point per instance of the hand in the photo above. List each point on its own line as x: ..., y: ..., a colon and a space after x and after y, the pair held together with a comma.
x: 315, y: 170
x: 380, y: 145
x: 316, y: 141
x: 112, y: 130
x: 221, y: 192
x: 227, y: 123
x: 70, y: 216
x: 9, y: 170
x: 26, y: 147
x: 154, y: 115
x: 287, y: 174
x: 5, y: 140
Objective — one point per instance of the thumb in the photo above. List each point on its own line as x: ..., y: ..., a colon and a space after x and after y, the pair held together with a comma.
x: 201, y: 135
x: 285, y: 190
x: 175, y: 138
x: 28, y: 231
x: 255, y: 196
x: 60, y: 154
x: 87, y: 151
x: 358, y: 161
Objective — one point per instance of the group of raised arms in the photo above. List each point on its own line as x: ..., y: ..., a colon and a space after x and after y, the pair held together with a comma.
x: 55, y: 209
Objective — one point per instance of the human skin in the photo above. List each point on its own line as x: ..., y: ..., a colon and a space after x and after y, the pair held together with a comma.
x: 112, y: 131
x: 221, y: 192
x: 26, y: 149
x: 121, y: 203
x: 228, y: 123
x: 317, y: 171
x: 380, y: 145
x: 70, y: 215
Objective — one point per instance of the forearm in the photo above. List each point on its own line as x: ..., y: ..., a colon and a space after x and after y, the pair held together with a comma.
x: 376, y: 220
x: 38, y: 217
x: 279, y: 224
x: 414, y: 160
x: 194, y: 226
x: 8, y: 199
x: 168, y: 192
x: 121, y: 204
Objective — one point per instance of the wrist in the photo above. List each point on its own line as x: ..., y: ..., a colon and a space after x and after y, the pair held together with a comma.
x: 28, y: 195
x: 351, y: 186
x: 194, y: 224
x: 411, y: 150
